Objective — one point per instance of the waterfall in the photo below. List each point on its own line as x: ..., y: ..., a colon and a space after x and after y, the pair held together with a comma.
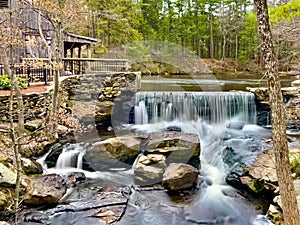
x: 214, y: 107
x: 71, y: 156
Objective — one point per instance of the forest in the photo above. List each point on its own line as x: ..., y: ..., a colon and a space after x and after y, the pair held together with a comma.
x: 215, y: 29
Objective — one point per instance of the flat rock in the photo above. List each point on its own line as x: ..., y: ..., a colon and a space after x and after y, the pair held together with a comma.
x: 85, y: 206
x: 264, y: 167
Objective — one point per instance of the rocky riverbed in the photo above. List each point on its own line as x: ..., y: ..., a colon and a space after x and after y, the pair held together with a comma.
x: 153, y: 179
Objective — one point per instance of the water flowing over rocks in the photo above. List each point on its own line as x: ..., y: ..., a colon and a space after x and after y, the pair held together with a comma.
x: 179, y: 176
x: 48, y: 189
x: 97, y: 198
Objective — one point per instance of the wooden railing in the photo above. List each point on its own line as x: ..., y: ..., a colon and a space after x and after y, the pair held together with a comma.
x: 38, y: 69
x: 40, y: 73
x: 90, y: 65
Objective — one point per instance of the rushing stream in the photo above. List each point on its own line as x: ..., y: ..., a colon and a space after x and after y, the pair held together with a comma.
x: 225, y: 125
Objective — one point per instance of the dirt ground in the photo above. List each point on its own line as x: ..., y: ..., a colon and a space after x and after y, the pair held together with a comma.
x: 31, y: 89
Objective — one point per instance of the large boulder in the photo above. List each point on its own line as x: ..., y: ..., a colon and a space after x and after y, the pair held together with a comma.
x: 261, y: 176
x: 149, y: 169
x: 31, y: 167
x: 177, y: 147
x: 7, y: 176
x: 112, y: 152
x: 48, y: 189
x: 262, y: 173
x: 180, y: 176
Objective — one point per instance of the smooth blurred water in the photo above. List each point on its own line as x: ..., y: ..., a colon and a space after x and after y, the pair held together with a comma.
x: 204, y: 83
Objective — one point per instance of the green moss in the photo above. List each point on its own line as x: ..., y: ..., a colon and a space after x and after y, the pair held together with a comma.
x: 257, y: 185
x: 295, y: 165
x: 70, y: 104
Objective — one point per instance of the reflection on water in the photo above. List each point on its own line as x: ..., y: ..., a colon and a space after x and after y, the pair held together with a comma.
x: 203, y: 83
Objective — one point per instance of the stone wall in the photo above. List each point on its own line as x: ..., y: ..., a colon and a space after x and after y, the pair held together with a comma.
x: 35, y: 106
x: 99, y: 95
x: 75, y: 88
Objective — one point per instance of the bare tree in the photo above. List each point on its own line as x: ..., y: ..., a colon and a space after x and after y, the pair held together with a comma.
x: 289, y: 202
x: 59, y: 12
x: 7, y: 49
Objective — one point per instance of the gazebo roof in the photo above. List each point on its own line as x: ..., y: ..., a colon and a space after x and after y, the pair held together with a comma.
x: 78, y: 39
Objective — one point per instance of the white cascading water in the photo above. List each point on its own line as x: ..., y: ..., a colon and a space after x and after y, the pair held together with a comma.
x: 71, y: 157
x: 207, y: 115
x: 140, y: 112
x: 215, y: 107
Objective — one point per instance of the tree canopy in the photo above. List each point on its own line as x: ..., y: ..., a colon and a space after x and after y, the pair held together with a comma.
x: 211, y: 29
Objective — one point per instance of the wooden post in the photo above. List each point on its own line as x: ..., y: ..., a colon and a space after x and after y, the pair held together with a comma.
x: 45, y: 74
x: 79, y: 62
x: 89, y: 55
x: 71, y: 63
x: 28, y: 75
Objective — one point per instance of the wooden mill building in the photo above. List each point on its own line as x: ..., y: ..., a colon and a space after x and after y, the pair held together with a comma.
x: 26, y: 28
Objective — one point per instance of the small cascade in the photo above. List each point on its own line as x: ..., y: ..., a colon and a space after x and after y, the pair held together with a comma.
x: 140, y: 112
x: 214, y: 107
x: 71, y: 156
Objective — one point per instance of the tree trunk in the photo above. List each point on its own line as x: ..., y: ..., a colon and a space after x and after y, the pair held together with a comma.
x: 236, y: 50
x: 55, y: 97
x: 211, y: 36
x: 59, y: 31
x: 289, y: 202
x: 223, y: 46
x: 16, y: 88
